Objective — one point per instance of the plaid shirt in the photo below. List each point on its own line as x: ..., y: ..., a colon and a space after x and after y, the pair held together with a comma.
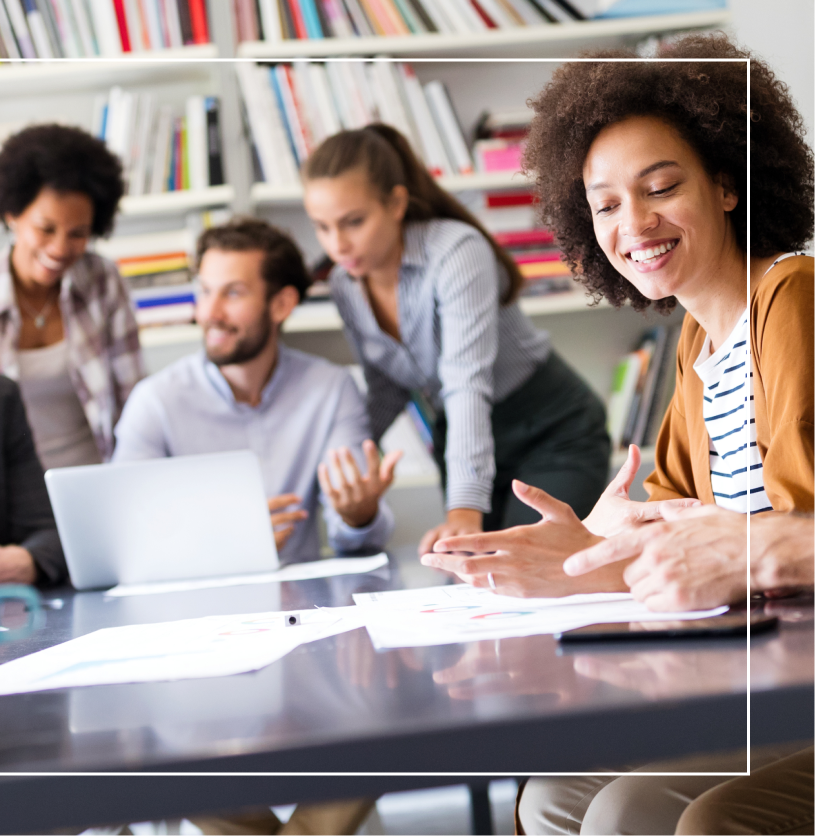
x: 104, y: 357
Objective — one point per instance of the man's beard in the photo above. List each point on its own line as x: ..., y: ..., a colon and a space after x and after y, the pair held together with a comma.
x: 248, y: 347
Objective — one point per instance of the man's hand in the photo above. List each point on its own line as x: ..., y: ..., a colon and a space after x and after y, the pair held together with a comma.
x: 696, y: 559
x: 283, y: 521
x: 356, y: 496
x: 17, y: 565
x: 614, y: 511
x: 526, y: 560
x: 460, y: 521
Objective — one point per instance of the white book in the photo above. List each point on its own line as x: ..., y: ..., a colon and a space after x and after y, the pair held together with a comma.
x: 304, y: 90
x: 436, y: 12
x: 390, y: 100
x: 160, y: 157
x: 137, y: 182
x: 448, y: 126
x: 7, y: 33
x: 83, y: 28
x: 138, y: 41
x: 270, y: 20
x: 106, y: 28
x: 338, y: 19
x: 274, y: 152
x: 530, y: 15
x: 153, y: 24
x: 16, y: 15
x: 197, y: 154
x: 98, y: 116
x: 358, y: 17
x: 64, y: 30
x: 120, y: 124
x: 329, y: 118
x: 465, y: 16
x: 349, y: 114
x: 39, y: 34
x: 173, y: 23
x: 433, y: 152
x: 362, y: 88
x: 500, y: 16
x: 292, y: 117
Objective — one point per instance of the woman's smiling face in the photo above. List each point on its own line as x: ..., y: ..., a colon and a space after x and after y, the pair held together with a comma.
x: 659, y: 217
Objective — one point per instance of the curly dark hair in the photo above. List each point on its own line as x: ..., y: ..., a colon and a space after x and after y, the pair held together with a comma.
x: 707, y: 104
x: 65, y: 159
x: 282, y: 264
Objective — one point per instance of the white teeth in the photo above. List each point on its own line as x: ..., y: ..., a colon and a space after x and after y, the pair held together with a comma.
x: 648, y: 255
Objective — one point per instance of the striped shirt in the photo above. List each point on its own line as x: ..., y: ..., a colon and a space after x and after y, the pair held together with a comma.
x: 736, y: 472
x: 104, y: 357
x: 459, y: 346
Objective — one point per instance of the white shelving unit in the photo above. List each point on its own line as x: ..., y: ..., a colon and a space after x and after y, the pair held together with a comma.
x: 173, y: 203
x: 492, y: 43
x: 266, y: 194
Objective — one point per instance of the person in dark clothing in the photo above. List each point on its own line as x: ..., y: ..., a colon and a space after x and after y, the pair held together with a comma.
x: 30, y: 550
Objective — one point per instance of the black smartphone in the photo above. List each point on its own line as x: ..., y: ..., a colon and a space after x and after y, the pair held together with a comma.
x: 729, y: 624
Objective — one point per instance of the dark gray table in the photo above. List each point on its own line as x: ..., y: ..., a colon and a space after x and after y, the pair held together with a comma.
x: 374, y: 722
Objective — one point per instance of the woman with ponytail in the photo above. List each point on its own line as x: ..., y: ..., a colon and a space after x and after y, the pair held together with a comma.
x: 429, y: 302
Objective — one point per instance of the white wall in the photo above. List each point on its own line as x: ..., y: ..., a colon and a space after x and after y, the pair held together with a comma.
x: 783, y: 34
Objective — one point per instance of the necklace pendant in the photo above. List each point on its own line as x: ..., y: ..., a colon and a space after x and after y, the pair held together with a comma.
x: 39, y: 321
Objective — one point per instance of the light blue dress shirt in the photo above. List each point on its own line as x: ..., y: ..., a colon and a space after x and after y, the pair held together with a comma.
x: 308, y: 407
x: 459, y: 346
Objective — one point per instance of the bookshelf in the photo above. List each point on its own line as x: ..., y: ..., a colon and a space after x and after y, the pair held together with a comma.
x: 522, y: 42
x: 174, y: 203
x: 267, y: 194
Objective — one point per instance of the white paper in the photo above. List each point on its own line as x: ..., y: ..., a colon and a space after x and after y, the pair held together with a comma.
x: 292, y: 572
x: 462, y: 613
x: 217, y: 645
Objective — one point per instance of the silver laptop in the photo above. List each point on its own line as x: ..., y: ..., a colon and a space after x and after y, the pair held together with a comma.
x: 180, y: 518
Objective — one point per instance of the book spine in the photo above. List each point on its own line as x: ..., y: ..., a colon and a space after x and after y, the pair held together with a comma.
x: 297, y: 19
x: 198, y: 18
x: 270, y: 20
x: 285, y: 108
x: 433, y: 151
x: 106, y: 28
x: 449, y: 126
x: 362, y: 26
x: 173, y: 23
x: 287, y: 21
x: 215, y: 161
x: 391, y: 13
x: 185, y: 22
x: 84, y: 25
x: 7, y: 34
x: 18, y: 22
x: 50, y: 16
x: 311, y: 19
x: 370, y: 12
x: 121, y: 24
x: 36, y: 25
x: 160, y: 150
x: 329, y: 118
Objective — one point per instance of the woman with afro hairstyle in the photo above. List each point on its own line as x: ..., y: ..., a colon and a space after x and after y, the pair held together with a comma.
x: 67, y: 330
x: 641, y: 170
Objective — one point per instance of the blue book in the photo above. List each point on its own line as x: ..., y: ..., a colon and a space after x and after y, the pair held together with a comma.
x: 281, y: 107
x: 311, y: 18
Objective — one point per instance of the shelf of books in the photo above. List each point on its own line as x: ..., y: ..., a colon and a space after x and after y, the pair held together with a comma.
x: 31, y: 29
x: 434, y: 28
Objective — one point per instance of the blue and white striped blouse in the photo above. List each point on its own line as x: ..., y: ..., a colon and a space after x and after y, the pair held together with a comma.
x: 459, y: 346
x: 736, y: 471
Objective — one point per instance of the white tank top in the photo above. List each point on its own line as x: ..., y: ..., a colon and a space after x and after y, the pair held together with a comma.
x: 61, y: 432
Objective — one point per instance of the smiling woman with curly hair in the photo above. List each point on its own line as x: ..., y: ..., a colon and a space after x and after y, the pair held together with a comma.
x: 641, y: 171
x: 706, y: 104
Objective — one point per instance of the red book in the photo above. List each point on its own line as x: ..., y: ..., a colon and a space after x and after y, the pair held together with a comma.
x: 198, y: 18
x: 121, y: 20
x: 297, y: 19
x: 495, y: 201
x: 523, y: 237
x: 491, y: 24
